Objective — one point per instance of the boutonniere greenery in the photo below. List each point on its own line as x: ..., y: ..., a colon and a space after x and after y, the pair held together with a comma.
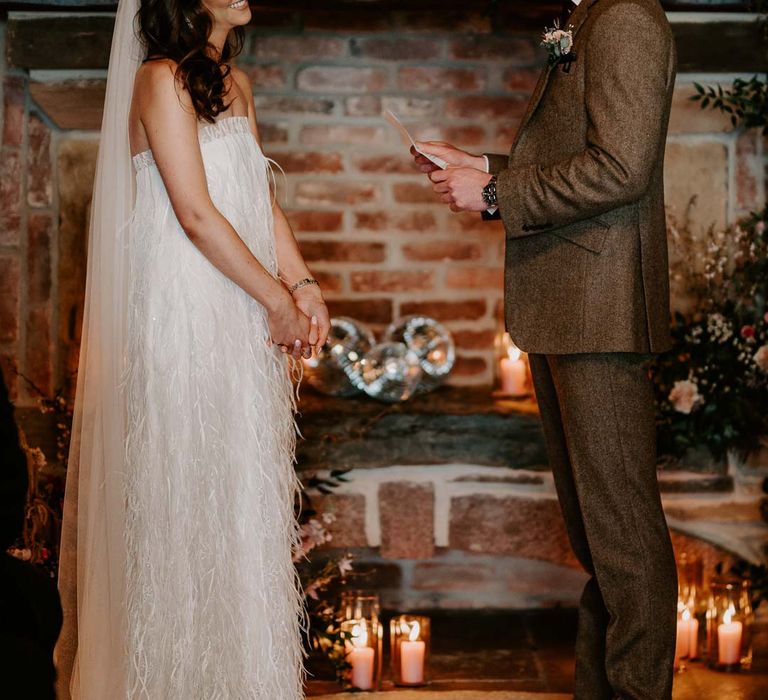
x: 559, y: 45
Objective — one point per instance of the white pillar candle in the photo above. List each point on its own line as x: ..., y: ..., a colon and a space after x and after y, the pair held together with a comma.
x: 412, y: 661
x: 361, y: 659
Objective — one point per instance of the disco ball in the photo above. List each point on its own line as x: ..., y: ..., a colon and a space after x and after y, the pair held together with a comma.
x: 390, y: 372
x: 331, y: 369
x: 433, y: 344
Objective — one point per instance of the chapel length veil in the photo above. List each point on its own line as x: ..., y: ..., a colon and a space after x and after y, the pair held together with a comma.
x: 90, y: 655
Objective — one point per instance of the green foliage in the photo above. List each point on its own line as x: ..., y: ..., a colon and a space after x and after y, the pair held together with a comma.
x: 746, y: 102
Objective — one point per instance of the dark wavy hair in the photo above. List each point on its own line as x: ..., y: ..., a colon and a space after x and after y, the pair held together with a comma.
x: 179, y: 30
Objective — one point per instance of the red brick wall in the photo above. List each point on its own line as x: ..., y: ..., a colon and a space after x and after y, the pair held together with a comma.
x: 27, y: 243
x: 367, y: 221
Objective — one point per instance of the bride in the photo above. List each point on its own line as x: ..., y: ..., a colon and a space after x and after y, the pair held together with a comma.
x: 176, y: 574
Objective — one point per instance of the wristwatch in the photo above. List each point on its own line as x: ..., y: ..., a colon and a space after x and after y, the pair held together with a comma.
x: 489, y: 193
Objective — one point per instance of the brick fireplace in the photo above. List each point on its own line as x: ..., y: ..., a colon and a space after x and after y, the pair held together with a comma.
x: 443, y: 527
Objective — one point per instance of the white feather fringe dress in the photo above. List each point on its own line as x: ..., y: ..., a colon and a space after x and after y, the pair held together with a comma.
x: 213, y: 607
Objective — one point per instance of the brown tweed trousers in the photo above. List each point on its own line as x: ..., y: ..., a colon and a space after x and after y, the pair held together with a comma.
x: 582, y: 199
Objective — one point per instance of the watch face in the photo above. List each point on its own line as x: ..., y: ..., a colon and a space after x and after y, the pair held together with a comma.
x: 489, y: 193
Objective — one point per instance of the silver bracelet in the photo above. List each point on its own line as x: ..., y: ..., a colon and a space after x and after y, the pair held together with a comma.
x: 302, y: 283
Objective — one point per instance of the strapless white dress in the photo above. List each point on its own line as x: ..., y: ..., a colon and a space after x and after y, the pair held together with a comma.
x: 213, y: 605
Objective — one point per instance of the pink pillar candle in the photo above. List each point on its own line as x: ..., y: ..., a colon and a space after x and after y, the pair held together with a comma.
x: 729, y: 643
x: 683, y: 638
x: 513, y: 376
x: 412, y: 661
x: 693, y: 638
x: 361, y: 659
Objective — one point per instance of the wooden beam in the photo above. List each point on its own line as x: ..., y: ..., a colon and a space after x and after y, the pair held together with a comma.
x: 59, y: 41
x: 730, y: 47
x: 82, y: 40
x: 697, y: 5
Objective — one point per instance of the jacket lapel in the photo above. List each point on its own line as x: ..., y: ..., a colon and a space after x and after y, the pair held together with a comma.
x: 575, y: 23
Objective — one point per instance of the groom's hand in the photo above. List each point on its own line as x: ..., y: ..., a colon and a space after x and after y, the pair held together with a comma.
x: 449, y: 153
x: 461, y: 188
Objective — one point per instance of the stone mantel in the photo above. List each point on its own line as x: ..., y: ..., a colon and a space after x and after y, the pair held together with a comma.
x: 450, y: 425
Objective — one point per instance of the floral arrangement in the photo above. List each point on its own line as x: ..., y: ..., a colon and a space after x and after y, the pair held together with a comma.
x: 712, y: 388
x: 325, y: 635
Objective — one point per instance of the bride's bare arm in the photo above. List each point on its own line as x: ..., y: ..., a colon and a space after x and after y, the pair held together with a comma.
x: 289, y: 258
x: 171, y: 127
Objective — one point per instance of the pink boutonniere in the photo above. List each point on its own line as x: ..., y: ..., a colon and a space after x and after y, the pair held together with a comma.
x: 559, y: 45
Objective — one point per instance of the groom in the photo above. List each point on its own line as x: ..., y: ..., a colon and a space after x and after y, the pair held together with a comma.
x: 582, y: 201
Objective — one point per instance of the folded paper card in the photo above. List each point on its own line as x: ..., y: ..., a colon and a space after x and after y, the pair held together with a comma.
x: 408, y: 140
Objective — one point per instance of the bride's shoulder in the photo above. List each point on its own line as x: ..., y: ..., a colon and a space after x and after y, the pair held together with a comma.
x: 157, y: 73
x: 157, y: 69
x: 240, y: 77
x: 157, y: 80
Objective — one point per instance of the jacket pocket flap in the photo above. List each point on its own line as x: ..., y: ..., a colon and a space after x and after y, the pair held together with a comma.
x: 589, y: 234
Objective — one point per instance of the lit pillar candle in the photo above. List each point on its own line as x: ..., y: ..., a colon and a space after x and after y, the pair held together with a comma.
x: 683, y: 638
x: 412, y: 653
x: 729, y: 638
x: 361, y: 659
x: 513, y: 372
x: 693, y: 639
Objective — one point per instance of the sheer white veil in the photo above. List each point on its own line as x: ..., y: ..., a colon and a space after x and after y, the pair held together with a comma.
x: 90, y: 654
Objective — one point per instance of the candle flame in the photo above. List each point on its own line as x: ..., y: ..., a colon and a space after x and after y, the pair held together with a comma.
x: 512, y: 351
x: 412, y: 631
x: 413, y: 635
x: 728, y: 615
x: 360, y: 634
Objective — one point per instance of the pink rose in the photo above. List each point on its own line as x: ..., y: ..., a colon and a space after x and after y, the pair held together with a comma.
x: 748, y: 332
x: 685, y: 396
x: 760, y: 227
x: 761, y: 358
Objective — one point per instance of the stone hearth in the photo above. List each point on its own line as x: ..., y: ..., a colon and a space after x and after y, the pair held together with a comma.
x: 529, y: 656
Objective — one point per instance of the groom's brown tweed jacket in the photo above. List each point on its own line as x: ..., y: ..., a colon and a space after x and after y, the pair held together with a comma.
x: 582, y: 193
